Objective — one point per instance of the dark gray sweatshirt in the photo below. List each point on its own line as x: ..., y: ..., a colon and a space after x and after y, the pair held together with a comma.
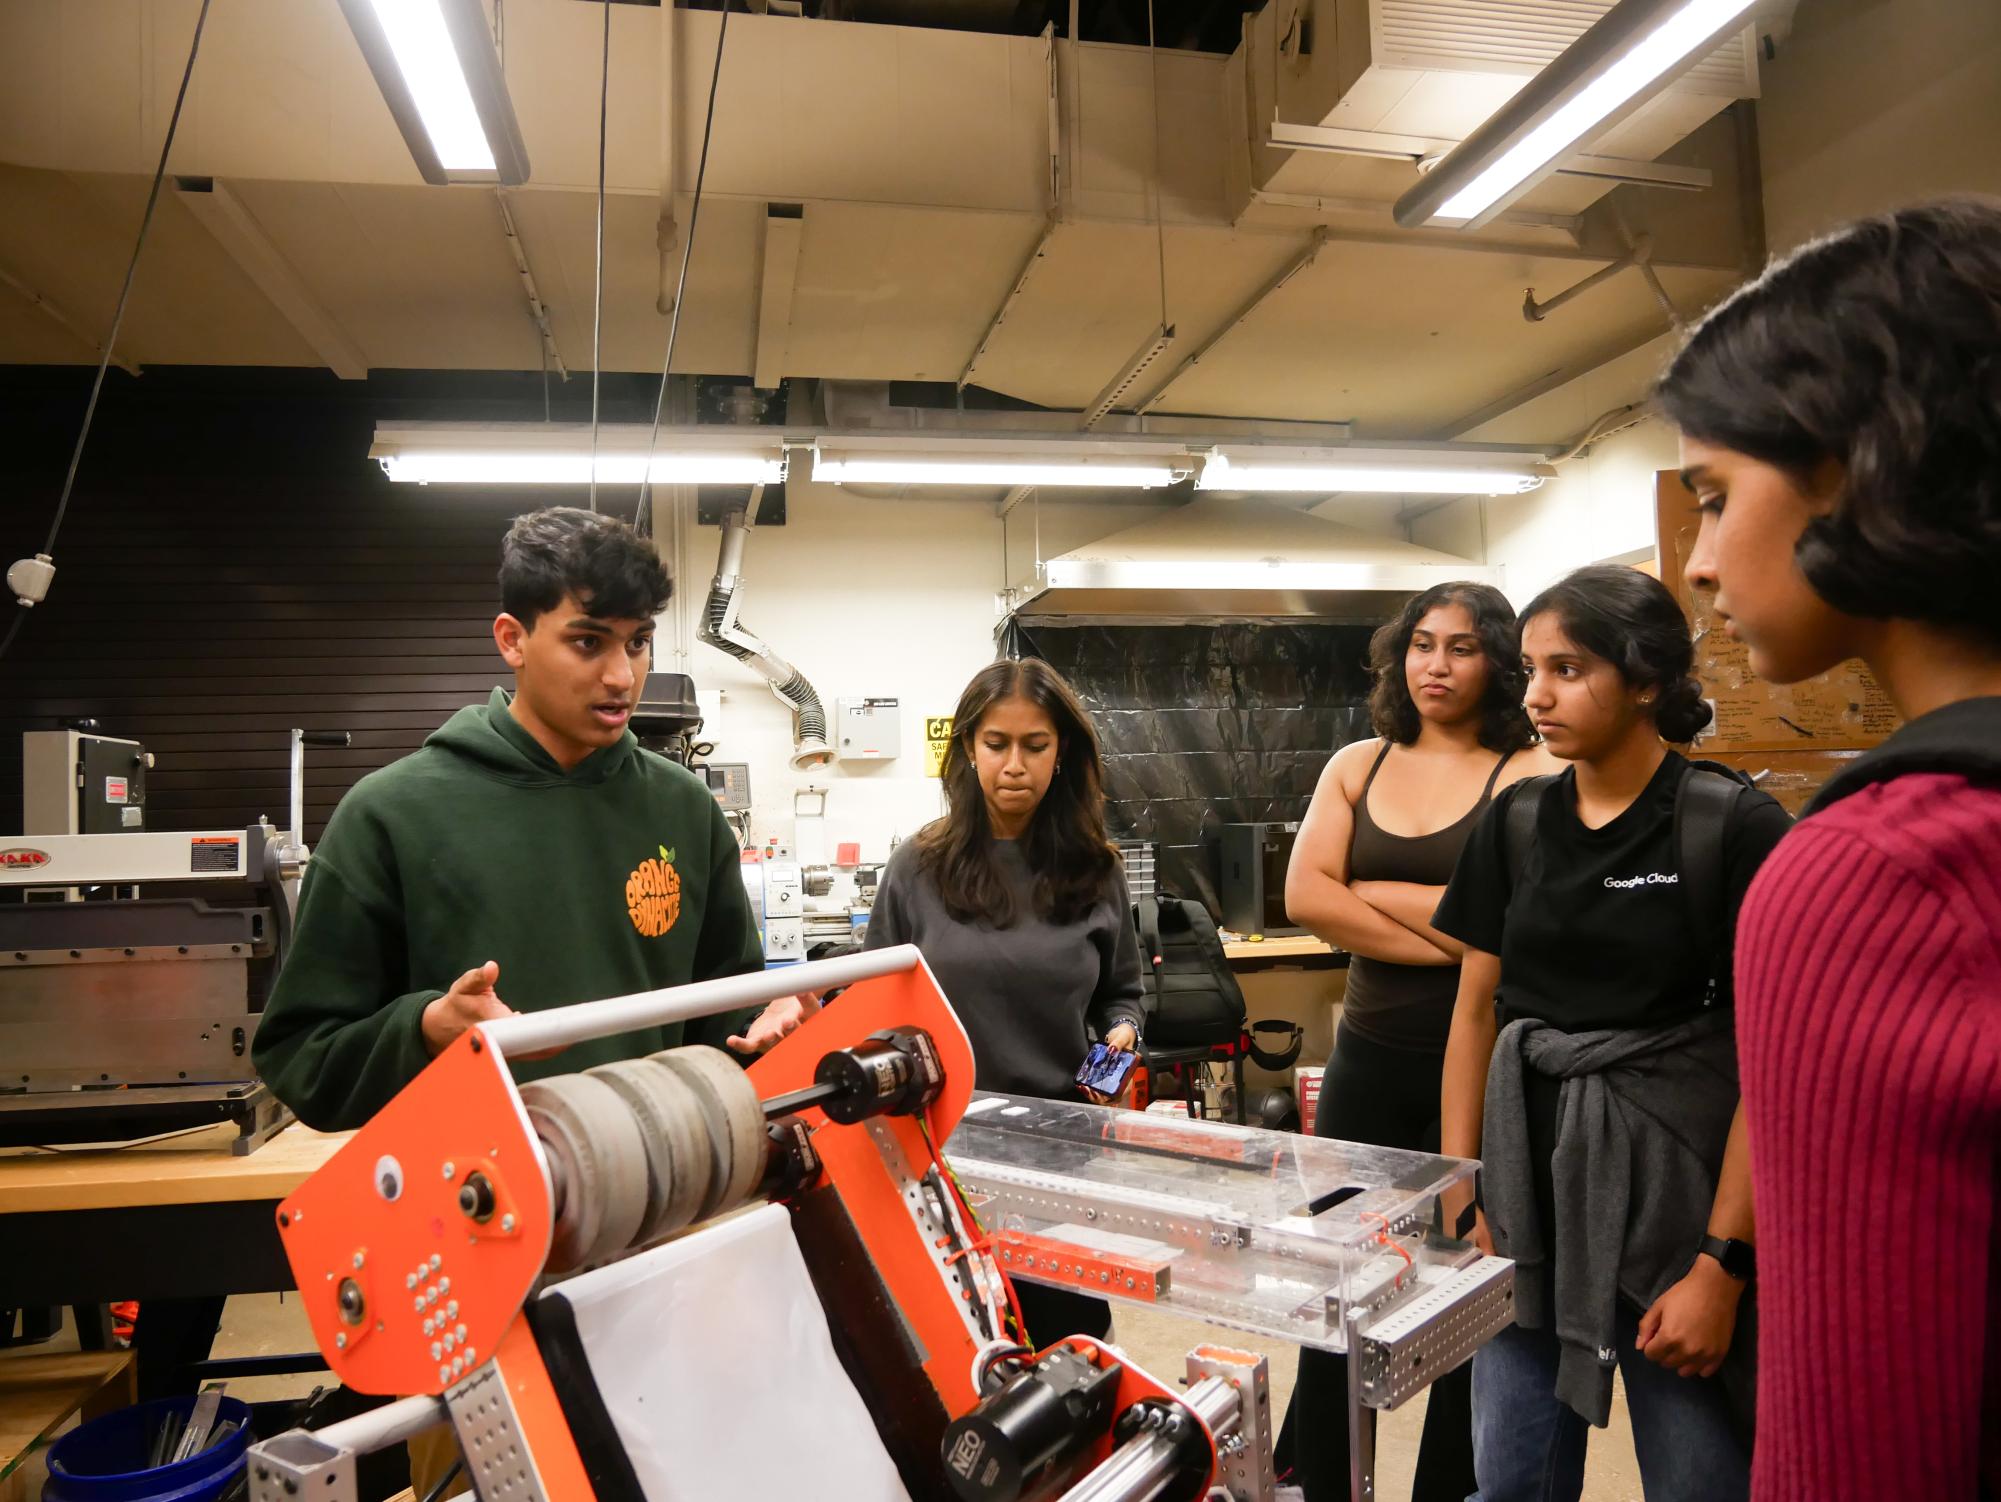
x: 1641, y: 1128
x: 1025, y: 993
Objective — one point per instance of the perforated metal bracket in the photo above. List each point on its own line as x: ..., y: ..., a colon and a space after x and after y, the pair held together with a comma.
x: 496, y: 1454
x: 298, y: 1464
x: 1423, y: 1338
x: 1245, y: 1471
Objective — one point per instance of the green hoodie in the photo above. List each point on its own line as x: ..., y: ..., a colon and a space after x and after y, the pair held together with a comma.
x: 618, y: 876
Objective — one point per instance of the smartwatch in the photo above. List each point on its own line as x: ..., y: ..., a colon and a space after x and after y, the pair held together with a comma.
x: 1738, y: 1258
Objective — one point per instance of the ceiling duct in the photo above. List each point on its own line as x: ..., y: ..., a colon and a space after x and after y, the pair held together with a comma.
x: 1228, y: 558
x: 1408, y: 79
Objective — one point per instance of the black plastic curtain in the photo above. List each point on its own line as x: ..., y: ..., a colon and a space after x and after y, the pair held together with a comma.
x: 1206, y: 725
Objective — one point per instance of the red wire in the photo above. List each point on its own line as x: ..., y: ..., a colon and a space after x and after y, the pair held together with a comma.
x: 1383, y: 1237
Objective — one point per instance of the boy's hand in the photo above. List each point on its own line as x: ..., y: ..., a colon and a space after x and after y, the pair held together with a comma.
x: 779, y: 1020
x: 470, y: 1000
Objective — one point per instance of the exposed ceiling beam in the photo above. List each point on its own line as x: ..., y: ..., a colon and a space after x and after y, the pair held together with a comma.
x: 784, y: 227
x: 1235, y: 321
x: 55, y: 314
x: 1120, y: 386
x: 1036, y: 255
x: 538, y: 311
x: 666, y: 231
x: 243, y: 239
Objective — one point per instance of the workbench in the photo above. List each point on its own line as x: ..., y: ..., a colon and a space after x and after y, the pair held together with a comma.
x: 163, y: 1223
x: 1299, y: 950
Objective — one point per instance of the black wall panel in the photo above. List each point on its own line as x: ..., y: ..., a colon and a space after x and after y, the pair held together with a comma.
x: 233, y: 564
x: 1205, y: 725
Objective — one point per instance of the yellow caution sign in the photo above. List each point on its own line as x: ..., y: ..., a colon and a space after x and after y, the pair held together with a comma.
x: 937, y: 738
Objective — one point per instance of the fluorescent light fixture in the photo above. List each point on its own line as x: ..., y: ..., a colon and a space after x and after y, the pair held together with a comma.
x: 1098, y: 466
x: 1622, y: 60
x: 435, y: 62
x: 1371, y: 471
x: 560, y: 454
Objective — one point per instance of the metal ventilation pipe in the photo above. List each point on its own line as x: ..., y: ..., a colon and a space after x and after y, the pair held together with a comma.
x: 722, y: 630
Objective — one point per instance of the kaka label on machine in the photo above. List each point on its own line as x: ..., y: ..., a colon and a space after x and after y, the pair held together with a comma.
x: 556, y: 1269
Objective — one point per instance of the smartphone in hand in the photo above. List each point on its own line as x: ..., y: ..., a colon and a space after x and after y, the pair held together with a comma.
x: 1105, y: 1069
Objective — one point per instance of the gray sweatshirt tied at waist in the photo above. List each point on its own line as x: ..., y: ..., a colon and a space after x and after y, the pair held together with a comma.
x: 1642, y: 1121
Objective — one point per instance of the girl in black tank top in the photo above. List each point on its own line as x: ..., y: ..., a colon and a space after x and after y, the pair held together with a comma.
x: 1452, y: 656
x: 1405, y: 1006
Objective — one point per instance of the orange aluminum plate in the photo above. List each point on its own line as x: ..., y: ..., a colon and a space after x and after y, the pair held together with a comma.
x: 461, y: 1114
x: 855, y: 1165
x: 1089, y: 1269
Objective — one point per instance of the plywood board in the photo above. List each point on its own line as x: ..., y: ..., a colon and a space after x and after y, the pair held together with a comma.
x: 163, y: 1176
x: 1841, y: 710
x: 38, y: 1392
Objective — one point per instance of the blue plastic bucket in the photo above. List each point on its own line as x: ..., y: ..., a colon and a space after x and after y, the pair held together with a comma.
x: 105, y: 1460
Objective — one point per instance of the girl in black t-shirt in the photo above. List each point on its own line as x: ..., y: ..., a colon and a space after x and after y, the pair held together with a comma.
x: 1388, y: 820
x: 1591, y: 1065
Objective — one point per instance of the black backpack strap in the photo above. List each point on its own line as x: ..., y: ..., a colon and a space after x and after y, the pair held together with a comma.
x: 1524, y: 808
x: 1705, y: 802
x: 1147, y: 914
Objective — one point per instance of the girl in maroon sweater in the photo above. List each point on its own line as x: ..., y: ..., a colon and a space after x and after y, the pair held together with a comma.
x: 1841, y: 422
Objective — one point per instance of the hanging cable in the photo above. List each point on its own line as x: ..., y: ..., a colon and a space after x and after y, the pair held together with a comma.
x: 687, y: 251
x: 117, y: 318
x: 1159, y: 213
x: 597, y: 315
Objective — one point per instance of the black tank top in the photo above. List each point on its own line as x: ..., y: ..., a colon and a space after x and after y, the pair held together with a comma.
x: 1405, y: 1006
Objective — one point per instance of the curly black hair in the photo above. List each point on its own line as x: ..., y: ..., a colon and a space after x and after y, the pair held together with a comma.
x: 1503, y: 725
x: 1878, y: 347
x: 1629, y: 619
x: 612, y: 571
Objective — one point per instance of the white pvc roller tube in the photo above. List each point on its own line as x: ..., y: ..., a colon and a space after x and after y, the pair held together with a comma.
x: 391, y: 1424
x: 560, y: 1027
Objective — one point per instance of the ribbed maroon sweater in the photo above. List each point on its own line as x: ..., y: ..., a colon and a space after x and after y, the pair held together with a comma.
x: 1869, y: 1027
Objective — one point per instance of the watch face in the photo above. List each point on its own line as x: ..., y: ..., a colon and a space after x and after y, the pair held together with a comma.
x: 1736, y: 1256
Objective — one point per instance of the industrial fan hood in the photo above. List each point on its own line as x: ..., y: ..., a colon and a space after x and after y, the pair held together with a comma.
x: 1230, y: 558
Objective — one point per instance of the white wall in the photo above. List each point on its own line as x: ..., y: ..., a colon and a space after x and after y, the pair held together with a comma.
x: 1599, y: 508
x: 1874, y: 103
x: 868, y: 597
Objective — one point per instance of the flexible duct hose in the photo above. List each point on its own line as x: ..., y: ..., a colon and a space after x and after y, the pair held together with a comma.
x: 723, y: 631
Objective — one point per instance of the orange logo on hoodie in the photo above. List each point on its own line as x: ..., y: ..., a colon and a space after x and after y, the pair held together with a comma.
x: 653, y: 895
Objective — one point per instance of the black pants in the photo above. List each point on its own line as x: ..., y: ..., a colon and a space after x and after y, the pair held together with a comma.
x: 1387, y: 1096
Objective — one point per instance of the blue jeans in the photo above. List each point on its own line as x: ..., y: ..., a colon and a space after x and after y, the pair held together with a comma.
x: 1528, y: 1446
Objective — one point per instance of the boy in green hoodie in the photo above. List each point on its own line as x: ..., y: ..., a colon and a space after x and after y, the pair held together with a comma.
x: 529, y: 851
